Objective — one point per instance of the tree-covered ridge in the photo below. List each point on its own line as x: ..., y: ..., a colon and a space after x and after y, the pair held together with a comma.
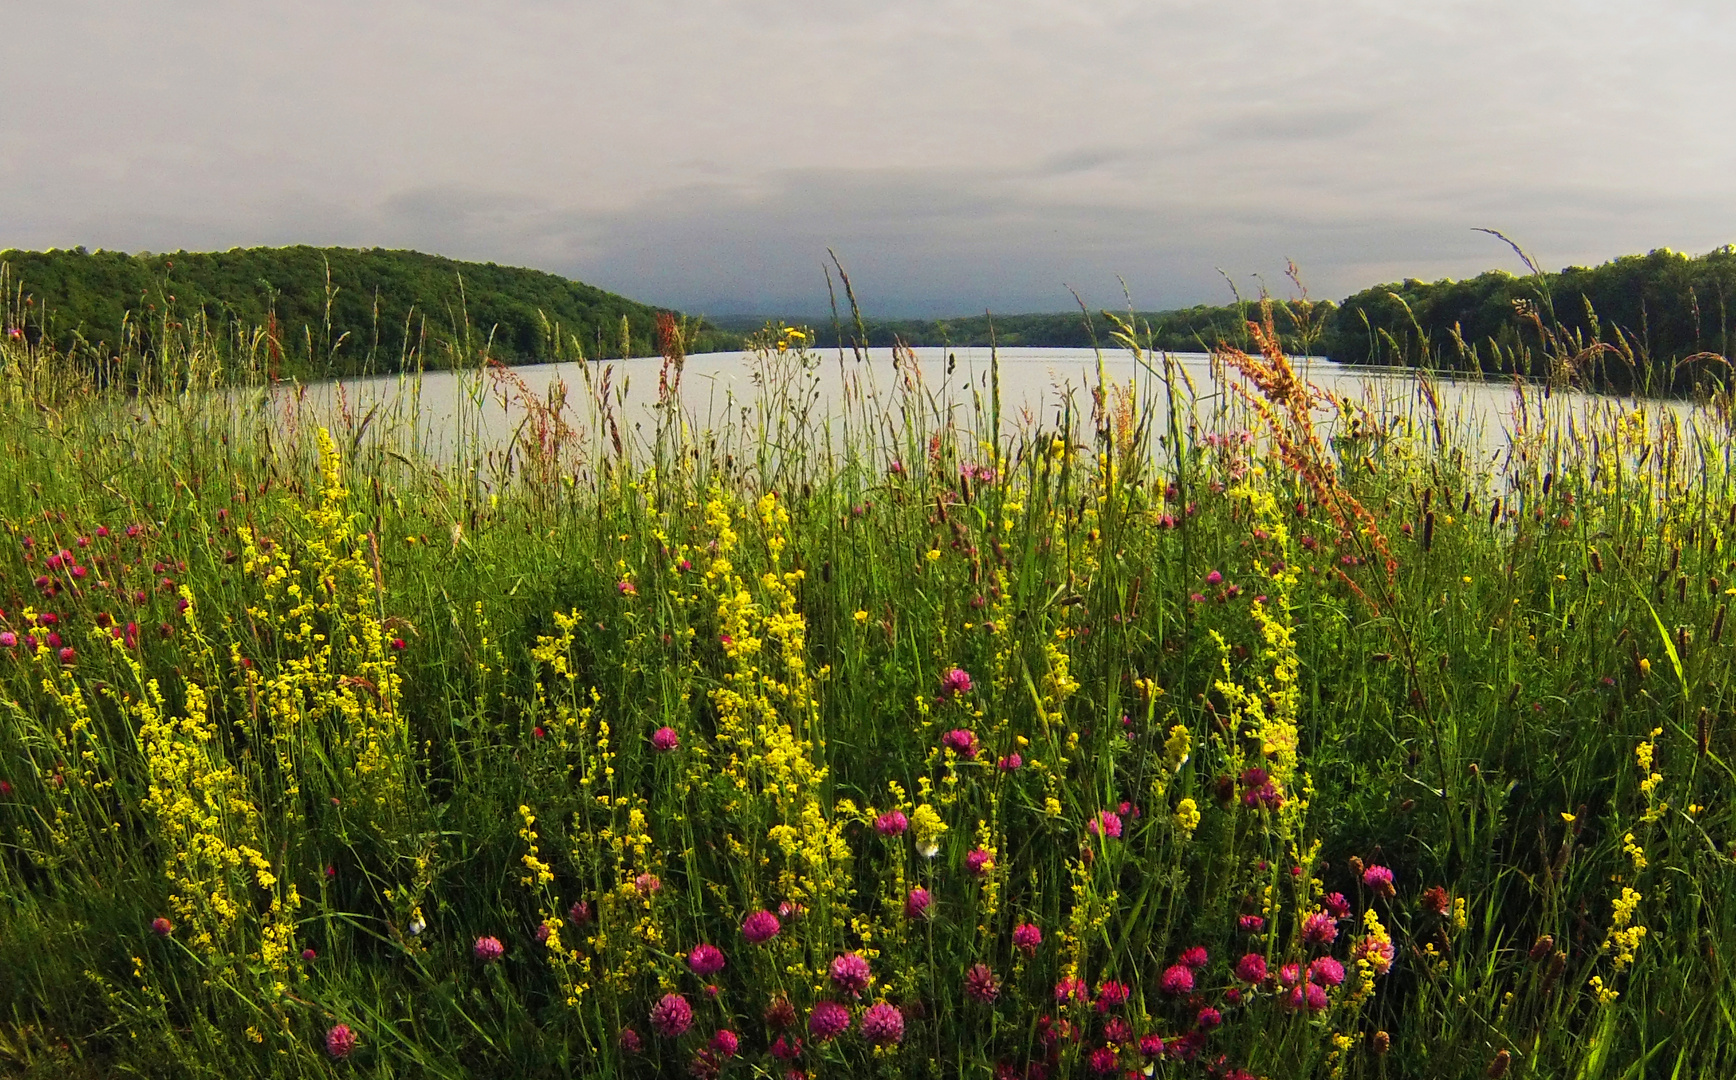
x: 1659, y: 322
x: 1195, y: 329
x: 329, y: 310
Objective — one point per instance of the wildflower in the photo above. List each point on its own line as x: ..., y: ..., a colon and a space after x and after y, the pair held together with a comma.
x: 1010, y: 763
x: 1026, y: 938
x: 417, y: 925
x: 629, y: 1041
x: 1337, y: 905
x: 339, y: 1041
x: 760, y: 927
x: 671, y: 1016
x: 1251, y: 968
x: 397, y: 644
x: 1307, y: 995
x: 828, y: 1019
x: 8, y: 639
x: 980, y: 984
x: 161, y: 926
x: 1233, y: 995
x: 580, y: 913
x: 67, y: 655
x: 891, y: 823
x: 916, y: 904
x: 1208, y: 1018
x: 780, y: 1014
x: 1379, y: 879
x: 1106, y: 823
x: 979, y: 862
x: 1111, y: 995
x: 787, y: 1048
x: 850, y: 973
x: 1377, y: 951
x: 309, y: 955
x: 488, y: 949
x: 1071, y: 990
x: 1319, y: 928
x: 1103, y: 1061
x: 1326, y: 970
x: 955, y: 682
x: 883, y: 1025
x: 962, y: 741
x: 1176, y: 979
x: 705, y: 960
x: 542, y: 933
x: 1250, y: 924
x: 725, y: 1042
x: 1214, y: 578
x: 929, y: 829
x: 647, y: 884
x: 664, y: 739
x: 1151, y: 1046
x: 1194, y: 957
x: 1435, y: 899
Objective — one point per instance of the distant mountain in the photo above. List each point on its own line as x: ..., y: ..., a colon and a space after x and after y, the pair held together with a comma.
x: 330, y: 311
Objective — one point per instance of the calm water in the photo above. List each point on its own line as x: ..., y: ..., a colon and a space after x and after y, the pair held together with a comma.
x: 443, y: 411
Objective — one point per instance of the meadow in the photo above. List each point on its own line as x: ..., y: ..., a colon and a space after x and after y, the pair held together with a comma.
x: 1168, y: 733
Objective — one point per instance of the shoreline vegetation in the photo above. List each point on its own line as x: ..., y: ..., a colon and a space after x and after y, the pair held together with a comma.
x: 1254, y: 734
x: 1657, y: 324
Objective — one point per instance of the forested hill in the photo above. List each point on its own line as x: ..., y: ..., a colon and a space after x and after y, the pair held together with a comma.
x: 329, y: 310
x: 1660, y: 323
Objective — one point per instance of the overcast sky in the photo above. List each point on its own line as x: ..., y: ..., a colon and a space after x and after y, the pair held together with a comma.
x: 957, y: 154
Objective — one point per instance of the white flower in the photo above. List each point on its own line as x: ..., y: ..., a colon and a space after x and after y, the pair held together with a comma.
x: 416, y: 927
x: 928, y: 849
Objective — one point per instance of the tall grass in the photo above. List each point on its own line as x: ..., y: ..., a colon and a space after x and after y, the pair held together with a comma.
x: 1187, y: 734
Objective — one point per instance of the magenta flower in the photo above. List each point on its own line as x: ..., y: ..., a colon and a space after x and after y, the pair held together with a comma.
x: 579, y: 913
x: 891, y: 823
x: 789, y: 1047
x: 1208, y: 1018
x: 1118, y: 1031
x: 8, y: 639
x: 962, y: 741
x: 760, y: 927
x: 488, y: 949
x: 979, y: 862
x: 1071, y: 990
x: 1319, y: 928
x: 1194, y: 957
x: 68, y: 655
x: 309, y: 955
x: 629, y: 1041
x: 1250, y: 924
x: 726, y: 1043
x: 956, y: 681
x: 883, y: 1025
x: 1106, y: 823
x: 981, y: 985
x: 1026, y: 938
x: 671, y: 1016
x: 827, y: 1020
x: 647, y: 884
x: 705, y: 960
x: 1151, y: 1046
x: 1307, y: 995
x: 1337, y: 904
x: 664, y: 739
x: 161, y: 926
x: 1326, y: 970
x: 1290, y: 974
x: 850, y: 973
x: 1103, y: 1061
x: 1379, y: 879
x: 916, y: 904
x: 1214, y: 578
x: 1377, y: 952
x: 339, y: 1041
x: 1251, y: 968
x: 1176, y: 979
x: 1111, y: 995
x: 1010, y: 763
